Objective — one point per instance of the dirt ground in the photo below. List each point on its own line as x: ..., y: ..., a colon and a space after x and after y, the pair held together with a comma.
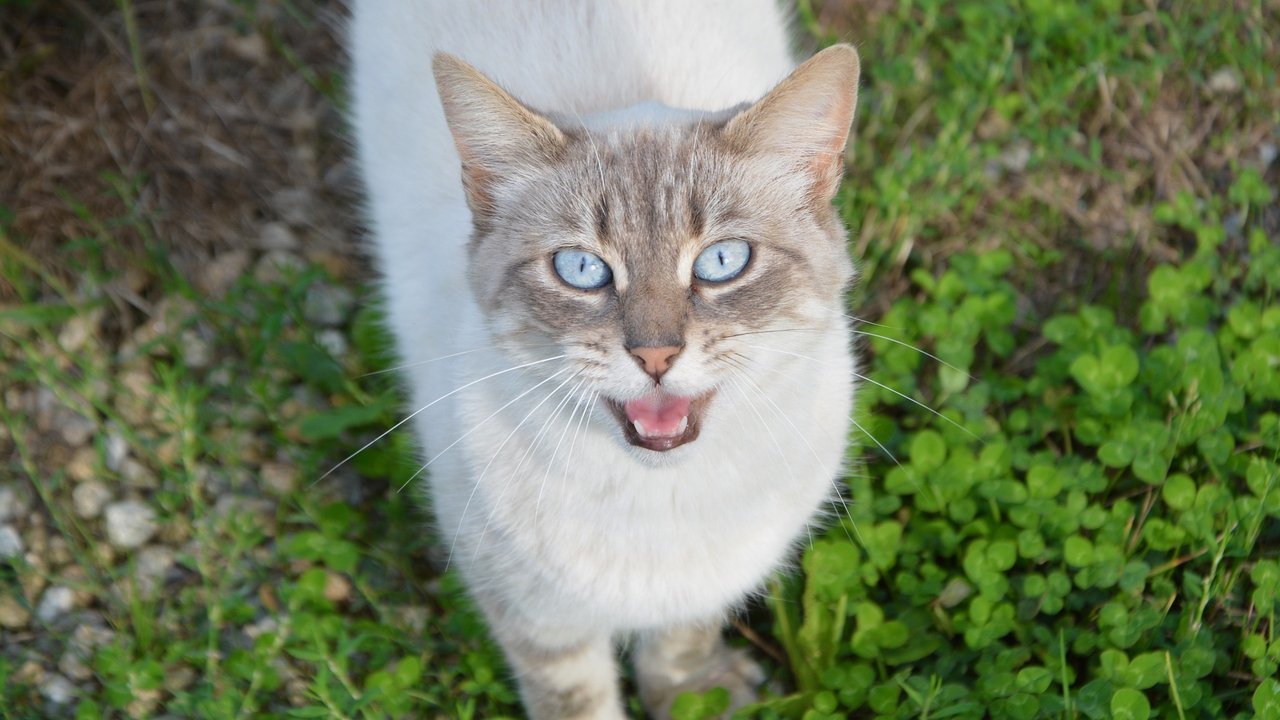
x: 203, y: 125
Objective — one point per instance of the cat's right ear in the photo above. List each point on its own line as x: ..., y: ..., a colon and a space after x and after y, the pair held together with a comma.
x: 497, y: 137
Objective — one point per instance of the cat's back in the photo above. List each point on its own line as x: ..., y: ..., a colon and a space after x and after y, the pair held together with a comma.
x: 580, y: 56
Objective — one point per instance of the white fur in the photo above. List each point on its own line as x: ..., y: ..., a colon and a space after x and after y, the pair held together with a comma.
x: 607, y: 538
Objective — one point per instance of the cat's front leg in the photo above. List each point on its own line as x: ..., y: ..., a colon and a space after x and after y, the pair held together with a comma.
x: 562, y: 675
x: 692, y: 658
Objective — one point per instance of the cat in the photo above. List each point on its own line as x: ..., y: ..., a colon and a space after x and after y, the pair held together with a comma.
x: 616, y: 280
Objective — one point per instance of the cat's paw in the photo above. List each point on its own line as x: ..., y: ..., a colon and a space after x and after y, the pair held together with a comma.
x: 724, y: 667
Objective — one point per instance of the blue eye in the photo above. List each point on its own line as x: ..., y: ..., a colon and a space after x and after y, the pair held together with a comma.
x: 723, y: 261
x: 582, y: 269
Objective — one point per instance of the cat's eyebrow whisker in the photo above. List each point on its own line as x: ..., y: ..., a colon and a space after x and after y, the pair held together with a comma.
x: 420, y: 410
x: 476, y: 487
x: 860, y: 376
x: 478, y: 425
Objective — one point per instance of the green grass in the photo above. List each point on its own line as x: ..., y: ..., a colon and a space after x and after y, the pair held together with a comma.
x: 1085, y: 528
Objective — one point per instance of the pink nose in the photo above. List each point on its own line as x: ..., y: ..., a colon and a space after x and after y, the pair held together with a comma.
x: 655, y: 360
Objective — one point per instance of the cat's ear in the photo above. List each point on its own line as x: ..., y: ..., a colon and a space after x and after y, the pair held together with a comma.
x: 497, y: 137
x: 804, y: 121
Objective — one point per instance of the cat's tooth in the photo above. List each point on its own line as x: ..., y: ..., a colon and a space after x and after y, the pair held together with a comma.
x: 684, y: 425
x: 639, y: 428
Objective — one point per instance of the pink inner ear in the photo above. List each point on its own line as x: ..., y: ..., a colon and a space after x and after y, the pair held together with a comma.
x: 660, y: 413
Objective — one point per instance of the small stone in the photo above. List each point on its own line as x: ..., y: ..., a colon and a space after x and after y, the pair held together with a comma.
x: 336, y: 587
x: 138, y: 475
x: 90, y: 634
x: 413, y: 617
x: 334, y: 342
x: 327, y: 305
x: 73, y: 666
x: 277, y: 236
x: 1015, y: 157
x: 251, y: 47
x: 76, y: 429
x: 30, y: 673
x: 280, y: 478
x: 57, y: 601
x: 220, y: 274
x: 341, y: 177
x: 81, y: 466
x: 1225, y: 82
x: 1266, y: 154
x: 257, y: 629
x: 179, y: 679
x: 79, y: 329
x: 130, y: 523
x: 12, y: 614
x: 295, y: 205
x: 89, y: 498
x: 152, y: 564
x: 59, y: 551
x: 275, y: 265
x: 144, y: 703
x: 57, y: 689
x: 10, y: 542
x: 134, y: 401
x: 116, y: 450
x: 13, y: 503
x: 196, y: 352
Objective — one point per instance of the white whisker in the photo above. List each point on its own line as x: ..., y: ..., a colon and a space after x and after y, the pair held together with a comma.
x: 536, y: 443
x: 839, y: 495
x: 463, y: 516
x: 860, y: 376
x: 537, y: 507
x: 857, y: 319
x: 415, y: 413
x: 913, y: 347
x: 478, y: 425
x: 422, y: 362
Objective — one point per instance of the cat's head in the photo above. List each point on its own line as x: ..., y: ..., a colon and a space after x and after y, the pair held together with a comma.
x: 656, y: 255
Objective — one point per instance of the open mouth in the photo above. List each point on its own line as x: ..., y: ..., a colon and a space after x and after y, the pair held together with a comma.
x: 660, y: 421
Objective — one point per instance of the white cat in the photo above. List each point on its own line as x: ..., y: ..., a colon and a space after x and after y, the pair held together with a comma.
x: 618, y: 291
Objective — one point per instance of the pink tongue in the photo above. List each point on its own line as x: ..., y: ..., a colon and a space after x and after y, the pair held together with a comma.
x: 659, y: 413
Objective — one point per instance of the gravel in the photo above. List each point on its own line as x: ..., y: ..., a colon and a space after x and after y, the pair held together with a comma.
x: 327, y: 305
x: 152, y: 564
x: 89, y: 498
x: 1225, y: 82
x: 13, y: 502
x: 12, y: 614
x: 116, y: 450
x: 58, y: 600
x: 11, y: 545
x: 57, y: 689
x: 130, y: 524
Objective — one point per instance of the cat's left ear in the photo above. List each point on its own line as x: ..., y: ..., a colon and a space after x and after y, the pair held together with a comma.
x: 805, y: 120
x: 497, y: 137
